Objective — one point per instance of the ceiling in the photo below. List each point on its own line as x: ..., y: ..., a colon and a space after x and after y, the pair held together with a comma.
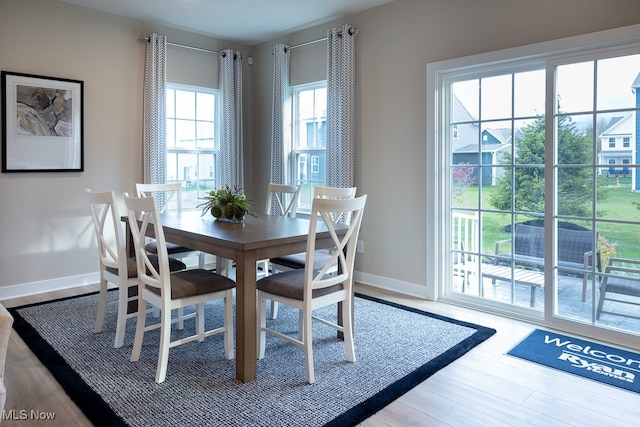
x: 246, y: 22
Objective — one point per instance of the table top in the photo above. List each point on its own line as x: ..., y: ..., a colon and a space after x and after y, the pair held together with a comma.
x: 254, y: 233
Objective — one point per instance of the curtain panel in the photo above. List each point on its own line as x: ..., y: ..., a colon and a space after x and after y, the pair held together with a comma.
x: 281, y: 118
x: 341, y: 87
x: 231, y: 138
x: 154, y: 110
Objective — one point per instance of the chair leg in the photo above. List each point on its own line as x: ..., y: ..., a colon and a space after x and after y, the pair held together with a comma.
x: 102, y: 306
x: 261, y: 335
x: 347, y: 329
x: 274, y: 310
x: 180, y: 314
x: 308, y: 347
x: 121, y: 323
x: 199, y: 321
x: 228, y: 325
x: 165, y: 340
x: 584, y: 287
x: 140, y: 324
x: 603, y: 291
x: 301, y: 325
x: 201, y: 260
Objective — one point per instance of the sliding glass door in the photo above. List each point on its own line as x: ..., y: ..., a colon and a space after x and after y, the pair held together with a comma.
x: 599, y: 189
x: 543, y: 201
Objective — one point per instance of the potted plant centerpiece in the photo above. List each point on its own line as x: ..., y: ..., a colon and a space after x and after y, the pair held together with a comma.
x: 226, y: 204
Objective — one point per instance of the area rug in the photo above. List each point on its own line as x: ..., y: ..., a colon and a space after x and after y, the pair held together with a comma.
x: 396, y: 348
x: 609, y: 365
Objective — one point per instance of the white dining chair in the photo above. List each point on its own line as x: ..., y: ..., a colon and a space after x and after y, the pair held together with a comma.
x: 309, y: 289
x: 167, y: 290
x: 297, y: 261
x: 115, y: 266
x: 169, y: 197
x: 282, y: 200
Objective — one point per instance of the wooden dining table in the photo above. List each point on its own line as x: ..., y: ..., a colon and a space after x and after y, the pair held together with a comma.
x: 257, y: 237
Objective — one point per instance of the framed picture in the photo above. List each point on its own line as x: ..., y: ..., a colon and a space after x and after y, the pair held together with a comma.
x: 42, y: 129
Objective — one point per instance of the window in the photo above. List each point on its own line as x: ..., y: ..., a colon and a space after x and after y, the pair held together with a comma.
x: 530, y: 175
x: 192, y: 140
x: 308, y: 160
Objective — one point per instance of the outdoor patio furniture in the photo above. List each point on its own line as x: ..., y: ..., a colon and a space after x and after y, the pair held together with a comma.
x: 621, y: 278
x: 575, y: 255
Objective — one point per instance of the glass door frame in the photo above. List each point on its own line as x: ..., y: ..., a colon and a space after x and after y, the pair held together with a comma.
x: 438, y: 180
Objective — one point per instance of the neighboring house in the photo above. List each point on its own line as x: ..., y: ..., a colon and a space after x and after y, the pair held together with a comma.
x: 620, y: 143
x: 617, y: 146
x: 464, y: 144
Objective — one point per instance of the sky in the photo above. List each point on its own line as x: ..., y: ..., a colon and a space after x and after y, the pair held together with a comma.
x: 575, y: 89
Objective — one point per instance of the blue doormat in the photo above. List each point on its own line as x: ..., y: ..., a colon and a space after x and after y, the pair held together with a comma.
x: 609, y: 365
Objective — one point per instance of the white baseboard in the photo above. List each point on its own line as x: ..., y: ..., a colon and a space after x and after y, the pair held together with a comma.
x: 33, y: 288
x: 397, y: 286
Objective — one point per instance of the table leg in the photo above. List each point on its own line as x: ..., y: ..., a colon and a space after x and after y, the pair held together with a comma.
x: 246, y: 322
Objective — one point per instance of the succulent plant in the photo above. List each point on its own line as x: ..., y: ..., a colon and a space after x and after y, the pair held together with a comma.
x: 226, y: 203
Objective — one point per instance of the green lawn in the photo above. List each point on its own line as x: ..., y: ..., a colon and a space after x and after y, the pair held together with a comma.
x: 625, y: 238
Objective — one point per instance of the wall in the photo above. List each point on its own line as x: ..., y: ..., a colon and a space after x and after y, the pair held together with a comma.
x: 46, y: 236
x: 394, y: 43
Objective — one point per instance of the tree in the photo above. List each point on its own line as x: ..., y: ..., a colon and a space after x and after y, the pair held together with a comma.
x: 574, y: 184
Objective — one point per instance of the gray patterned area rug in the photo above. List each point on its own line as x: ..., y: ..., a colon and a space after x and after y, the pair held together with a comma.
x: 396, y: 348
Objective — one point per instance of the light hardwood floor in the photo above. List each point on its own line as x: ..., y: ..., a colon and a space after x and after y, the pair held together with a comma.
x: 483, y: 388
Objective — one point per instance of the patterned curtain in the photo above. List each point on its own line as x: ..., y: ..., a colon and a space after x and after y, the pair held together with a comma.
x: 341, y: 87
x: 154, y: 106
x: 231, y: 144
x: 281, y: 119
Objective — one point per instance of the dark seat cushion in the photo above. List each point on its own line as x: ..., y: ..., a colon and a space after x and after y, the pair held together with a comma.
x: 188, y: 283
x: 290, y: 284
x: 623, y: 285
x: 132, y: 270
x: 172, y: 248
x: 297, y: 261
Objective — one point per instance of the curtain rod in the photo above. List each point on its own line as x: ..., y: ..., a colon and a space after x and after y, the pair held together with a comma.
x: 306, y: 43
x: 351, y: 31
x: 184, y: 46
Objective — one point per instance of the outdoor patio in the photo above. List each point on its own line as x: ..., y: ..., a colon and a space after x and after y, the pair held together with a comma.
x: 569, y: 298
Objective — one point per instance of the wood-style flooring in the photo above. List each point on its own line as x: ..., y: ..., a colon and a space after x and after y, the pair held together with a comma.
x: 483, y: 388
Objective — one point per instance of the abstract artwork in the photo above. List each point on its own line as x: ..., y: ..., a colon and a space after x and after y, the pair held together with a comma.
x: 42, y: 124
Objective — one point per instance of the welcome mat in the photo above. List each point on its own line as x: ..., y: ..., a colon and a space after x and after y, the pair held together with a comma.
x: 613, y: 366
x: 396, y: 347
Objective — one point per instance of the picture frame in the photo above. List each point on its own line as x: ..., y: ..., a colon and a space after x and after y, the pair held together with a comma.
x: 42, y: 123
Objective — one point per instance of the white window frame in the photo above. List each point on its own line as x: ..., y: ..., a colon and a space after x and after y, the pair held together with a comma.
x: 200, y: 184
x: 437, y: 232
x: 313, y: 152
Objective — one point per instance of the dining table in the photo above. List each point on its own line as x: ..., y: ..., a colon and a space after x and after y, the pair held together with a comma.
x: 256, y: 237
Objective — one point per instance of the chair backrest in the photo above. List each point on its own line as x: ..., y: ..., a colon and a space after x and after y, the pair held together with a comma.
x: 344, y: 250
x: 165, y: 194
x: 320, y: 192
x: 334, y: 192
x: 108, y: 228
x: 282, y: 200
x: 143, y: 215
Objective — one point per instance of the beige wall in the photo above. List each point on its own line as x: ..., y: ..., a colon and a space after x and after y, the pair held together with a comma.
x: 46, y: 236
x: 394, y: 44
